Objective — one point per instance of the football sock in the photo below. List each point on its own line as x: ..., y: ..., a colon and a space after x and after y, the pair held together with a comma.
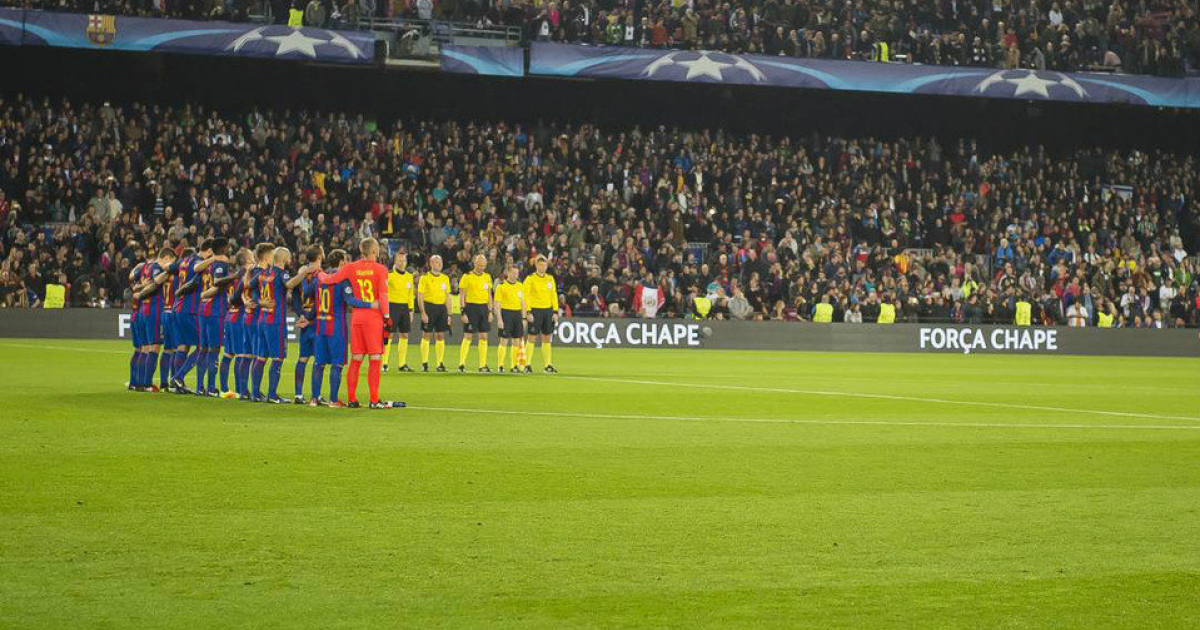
x: 440, y: 346
x: 424, y: 350
x: 273, y: 383
x: 256, y: 375
x: 184, y: 362
x: 403, y: 352
x: 300, y: 366
x: 547, y: 353
x: 241, y: 365
x: 387, y: 350
x: 201, y: 368
x: 464, y: 351
x: 135, y: 362
x: 164, y: 368
x: 352, y: 380
x: 373, y: 378
x: 335, y: 381
x: 501, y: 352
x: 318, y: 375
x: 225, y: 361
x: 483, y: 350
x: 149, y: 362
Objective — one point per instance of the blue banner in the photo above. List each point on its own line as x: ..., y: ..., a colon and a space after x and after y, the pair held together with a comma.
x: 496, y: 61
x: 826, y: 74
x: 107, y: 32
x: 12, y: 22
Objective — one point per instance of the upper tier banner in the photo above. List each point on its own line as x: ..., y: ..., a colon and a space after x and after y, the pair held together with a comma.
x: 496, y: 61
x: 824, y: 74
x: 107, y: 32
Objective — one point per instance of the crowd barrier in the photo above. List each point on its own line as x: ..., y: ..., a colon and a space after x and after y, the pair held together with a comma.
x: 731, y: 335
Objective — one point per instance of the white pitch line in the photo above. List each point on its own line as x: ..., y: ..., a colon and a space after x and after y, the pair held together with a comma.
x: 942, y: 401
x: 780, y: 390
x: 901, y: 423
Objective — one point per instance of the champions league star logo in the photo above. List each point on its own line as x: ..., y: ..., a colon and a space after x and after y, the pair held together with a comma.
x: 295, y: 40
x: 1027, y: 83
x: 701, y: 65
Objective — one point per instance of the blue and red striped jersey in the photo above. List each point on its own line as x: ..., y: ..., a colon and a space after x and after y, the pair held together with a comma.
x: 187, y: 270
x: 332, y: 308
x: 272, y: 287
x: 216, y: 304
x: 250, y: 294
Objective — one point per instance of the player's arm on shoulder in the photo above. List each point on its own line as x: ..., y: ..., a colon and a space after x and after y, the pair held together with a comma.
x: 337, y: 276
x: 294, y: 281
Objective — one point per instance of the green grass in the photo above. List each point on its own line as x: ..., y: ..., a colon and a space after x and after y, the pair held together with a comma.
x: 722, y: 489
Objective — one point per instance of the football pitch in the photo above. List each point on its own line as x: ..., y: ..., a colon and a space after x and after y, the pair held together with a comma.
x: 656, y: 488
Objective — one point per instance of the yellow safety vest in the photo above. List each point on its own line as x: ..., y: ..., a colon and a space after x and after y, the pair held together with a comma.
x: 703, y: 306
x: 887, y: 313
x: 56, y: 296
x: 1104, y: 320
x: 295, y: 17
x: 969, y: 287
x: 823, y: 314
x: 1024, y: 314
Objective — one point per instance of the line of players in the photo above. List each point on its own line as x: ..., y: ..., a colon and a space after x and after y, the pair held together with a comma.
x: 214, y: 312
x: 513, y: 306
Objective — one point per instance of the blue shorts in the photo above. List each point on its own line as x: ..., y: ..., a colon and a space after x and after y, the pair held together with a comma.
x: 150, y: 332
x: 187, y: 329
x: 308, y: 340
x: 233, y: 335
x: 331, y: 349
x: 167, y: 325
x: 249, y: 335
x: 212, y: 329
x: 271, y: 342
x: 135, y: 330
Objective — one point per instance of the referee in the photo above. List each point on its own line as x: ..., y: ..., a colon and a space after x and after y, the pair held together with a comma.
x: 400, y: 305
x: 475, y: 298
x: 433, y: 298
x: 541, y: 293
x: 511, y: 311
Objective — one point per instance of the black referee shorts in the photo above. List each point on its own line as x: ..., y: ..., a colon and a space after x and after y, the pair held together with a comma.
x: 543, y: 321
x: 477, y: 318
x: 401, y: 318
x: 514, y: 324
x: 439, y: 319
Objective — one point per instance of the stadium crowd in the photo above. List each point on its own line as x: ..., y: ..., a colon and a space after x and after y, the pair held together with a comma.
x: 1160, y: 37
x: 715, y: 225
x: 1146, y: 37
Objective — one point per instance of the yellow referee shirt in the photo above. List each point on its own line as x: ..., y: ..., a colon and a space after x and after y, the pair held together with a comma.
x: 541, y: 291
x: 476, y: 288
x: 434, y: 288
x: 509, y: 295
x: 400, y: 288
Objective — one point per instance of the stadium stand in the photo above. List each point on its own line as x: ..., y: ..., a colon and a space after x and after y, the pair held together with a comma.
x: 1159, y: 37
x: 762, y: 227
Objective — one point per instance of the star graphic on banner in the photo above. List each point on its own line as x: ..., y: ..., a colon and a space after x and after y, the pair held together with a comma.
x: 249, y: 36
x: 296, y: 41
x: 1032, y: 84
x: 704, y: 67
x: 345, y: 44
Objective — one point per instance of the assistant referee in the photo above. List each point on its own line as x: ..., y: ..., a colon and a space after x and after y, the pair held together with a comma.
x: 400, y: 305
x: 475, y: 297
x: 433, y: 298
x: 511, y: 311
x: 541, y: 293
